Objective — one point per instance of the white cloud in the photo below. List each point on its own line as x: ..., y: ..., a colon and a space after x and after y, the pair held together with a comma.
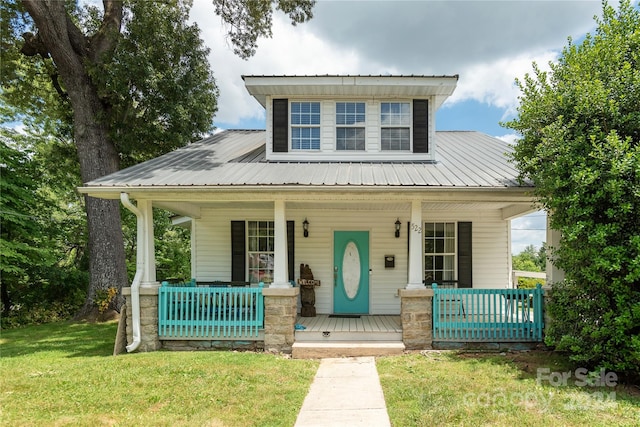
x: 493, y: 83
x: 291, y: 50
x: 487, y: 43
x: 510, y: 138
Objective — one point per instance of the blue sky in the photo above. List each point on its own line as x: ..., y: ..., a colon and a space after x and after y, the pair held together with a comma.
x: 487, y: 43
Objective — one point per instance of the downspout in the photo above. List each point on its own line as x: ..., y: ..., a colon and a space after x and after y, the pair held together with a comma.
x: 135, y: 286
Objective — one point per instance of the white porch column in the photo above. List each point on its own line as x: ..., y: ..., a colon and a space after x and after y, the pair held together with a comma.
x: 146, y: 246
x: 280, y: 262
x: 416, y: 270
x: 554, y: 274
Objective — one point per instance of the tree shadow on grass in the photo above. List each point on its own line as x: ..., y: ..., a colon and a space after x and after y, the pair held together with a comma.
x: 71, y: 339
x: 549, y: 366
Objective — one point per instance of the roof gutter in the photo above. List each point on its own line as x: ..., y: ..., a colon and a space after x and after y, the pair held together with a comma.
x: 135, y: 286
x: 400, y: 191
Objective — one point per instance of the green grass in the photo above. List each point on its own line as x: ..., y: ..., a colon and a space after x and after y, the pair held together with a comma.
x: 448, y: 388
x: 63, y: 374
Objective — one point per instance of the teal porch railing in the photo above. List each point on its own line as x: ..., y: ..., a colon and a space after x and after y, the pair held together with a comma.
x: 487, y: 315
x: 186, y: 311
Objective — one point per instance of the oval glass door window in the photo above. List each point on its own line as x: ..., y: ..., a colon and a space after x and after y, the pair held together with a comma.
x: 351, y: 270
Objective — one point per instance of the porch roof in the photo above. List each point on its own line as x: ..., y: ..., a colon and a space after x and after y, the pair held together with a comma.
x: 236, y: 158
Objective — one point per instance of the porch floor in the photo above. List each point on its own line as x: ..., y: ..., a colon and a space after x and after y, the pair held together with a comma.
x: 323, y: 328
x: 364, y: 323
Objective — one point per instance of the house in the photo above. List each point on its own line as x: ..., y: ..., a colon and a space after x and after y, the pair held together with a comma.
x: 351, y: 178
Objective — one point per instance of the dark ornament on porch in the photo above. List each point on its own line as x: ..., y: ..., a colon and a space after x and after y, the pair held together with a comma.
x: 305, y: 229
x: 307, y: 291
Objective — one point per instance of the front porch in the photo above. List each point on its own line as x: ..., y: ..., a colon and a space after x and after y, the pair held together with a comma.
x: 186, y: 317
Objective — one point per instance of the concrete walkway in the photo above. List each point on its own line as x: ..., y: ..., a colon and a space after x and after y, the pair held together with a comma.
x: 345, y: 392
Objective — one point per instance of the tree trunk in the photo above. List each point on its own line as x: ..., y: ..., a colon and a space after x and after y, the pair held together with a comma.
x: 6, y: 299
x: 72, y: 52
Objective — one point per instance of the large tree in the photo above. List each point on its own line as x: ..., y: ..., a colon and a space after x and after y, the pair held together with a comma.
x: 129, y: 80
x: 580, y: 145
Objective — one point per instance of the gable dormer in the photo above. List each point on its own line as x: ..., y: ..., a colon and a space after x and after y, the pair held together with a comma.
x: 350, y: 118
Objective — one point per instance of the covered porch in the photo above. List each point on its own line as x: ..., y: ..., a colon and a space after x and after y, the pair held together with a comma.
x: 384, y: 316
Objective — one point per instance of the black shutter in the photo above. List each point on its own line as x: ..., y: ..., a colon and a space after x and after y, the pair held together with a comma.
x: 280, y: 125
x: 465, y: 271
x: 238, y: 251
x: 291, y: 247
x: 420, y: 126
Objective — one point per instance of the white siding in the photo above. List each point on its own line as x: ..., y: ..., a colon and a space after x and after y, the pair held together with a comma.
x: 212, y: 252
x: 373, y: 127
x: 327, y: 126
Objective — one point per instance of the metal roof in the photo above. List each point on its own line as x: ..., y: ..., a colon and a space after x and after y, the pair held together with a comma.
x: 236, y: 158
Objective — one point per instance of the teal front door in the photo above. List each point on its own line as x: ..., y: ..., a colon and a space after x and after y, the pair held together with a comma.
x: 351, y: 272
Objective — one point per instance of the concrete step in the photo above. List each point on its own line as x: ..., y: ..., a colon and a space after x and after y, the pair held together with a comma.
x: 320, y: 350
x: 330, y: 336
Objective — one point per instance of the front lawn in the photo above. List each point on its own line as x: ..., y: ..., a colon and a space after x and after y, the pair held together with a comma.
x: 500, y: 389
x: 64, y: 375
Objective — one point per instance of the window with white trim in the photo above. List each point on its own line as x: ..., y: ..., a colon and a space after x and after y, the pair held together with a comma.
x: 395, y: 126
x: 439, y: 251
x: 305, y: 125
x: 350, y: 126
x: 260, y: 251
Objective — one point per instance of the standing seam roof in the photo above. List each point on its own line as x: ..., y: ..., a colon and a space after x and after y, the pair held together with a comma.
x: 238, y: 158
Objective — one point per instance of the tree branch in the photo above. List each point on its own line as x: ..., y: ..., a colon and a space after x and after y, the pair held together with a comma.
x: 56, y: 85
x: 78, y: 40
x: 104, y: 40
x: 51, y: 20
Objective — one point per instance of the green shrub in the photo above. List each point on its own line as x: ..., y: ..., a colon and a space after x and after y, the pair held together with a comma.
x: 599, y: 329
x: 39, y: 313
x: 529, y: 282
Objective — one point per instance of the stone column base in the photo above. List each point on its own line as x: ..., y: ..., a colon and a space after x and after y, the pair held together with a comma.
x: 149, y: 340
x: 416, y: 307
x: 280, y: 312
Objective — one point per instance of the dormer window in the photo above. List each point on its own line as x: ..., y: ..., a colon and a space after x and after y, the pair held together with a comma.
x: 305, y: 125
x: 395, y: 126
x: 350, y: 126
x: 350, y: 118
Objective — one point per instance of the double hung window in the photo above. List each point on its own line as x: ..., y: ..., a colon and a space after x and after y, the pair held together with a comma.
x: 350, y: 126
x: 305, y: 125
x: 395, y: 126
x: 439, y: 251
x: 260, y: 251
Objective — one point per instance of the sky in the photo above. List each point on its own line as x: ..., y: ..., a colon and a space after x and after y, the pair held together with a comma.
x: 487, y: 43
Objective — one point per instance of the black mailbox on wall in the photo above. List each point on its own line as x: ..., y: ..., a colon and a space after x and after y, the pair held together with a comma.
x: 389, y: 261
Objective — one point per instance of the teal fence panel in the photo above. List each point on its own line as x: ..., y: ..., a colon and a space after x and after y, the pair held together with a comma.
x: 487, y: 315
x: 186, y: 311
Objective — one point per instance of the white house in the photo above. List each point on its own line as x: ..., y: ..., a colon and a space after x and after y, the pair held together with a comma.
x: 351, y: 178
